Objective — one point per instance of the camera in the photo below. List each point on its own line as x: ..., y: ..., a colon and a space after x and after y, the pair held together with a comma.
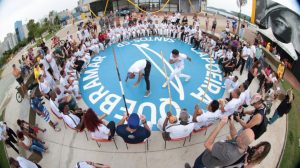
x: 235, y: 114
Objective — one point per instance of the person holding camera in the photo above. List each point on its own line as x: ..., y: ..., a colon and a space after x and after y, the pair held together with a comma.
x: 224, y: 153
x: 258, y: 121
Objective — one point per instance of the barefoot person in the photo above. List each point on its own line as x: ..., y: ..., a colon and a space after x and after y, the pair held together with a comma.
x: 141, y: 68
x: 177, y: 59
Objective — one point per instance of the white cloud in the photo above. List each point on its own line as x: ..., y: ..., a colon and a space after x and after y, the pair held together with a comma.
x: 13, y: 10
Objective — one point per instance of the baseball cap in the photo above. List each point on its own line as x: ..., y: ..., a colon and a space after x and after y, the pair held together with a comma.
x: 133, y: 121
x: 256, y: 98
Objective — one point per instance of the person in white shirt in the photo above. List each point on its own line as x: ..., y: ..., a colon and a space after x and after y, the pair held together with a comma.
x: 50, y: 59
x: 180, y: 130
x: 54, y: 105
x: 98, y: 129
x: 79, y: 35
x: 245, y: 55
x: 47, y: 76
x: 233, y: 105
x: 72, y: 120
x: 21, y: 162
x: 245, y: 96
x: 177, y: 59
x: 8, y: 136
x: 141, y: 68
x: 204, y: 118
x: 251, y: 57
x: 44, y: 87
x: 231, y: 83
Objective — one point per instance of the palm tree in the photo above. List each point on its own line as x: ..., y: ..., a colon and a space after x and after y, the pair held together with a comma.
x: 240, y: 4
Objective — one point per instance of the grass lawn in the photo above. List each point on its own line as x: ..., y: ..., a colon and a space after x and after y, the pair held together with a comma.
x: 3, y: 159
x: 291, y: 157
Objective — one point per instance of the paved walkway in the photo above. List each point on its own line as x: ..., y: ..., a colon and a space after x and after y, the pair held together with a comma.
x: 68, y: 147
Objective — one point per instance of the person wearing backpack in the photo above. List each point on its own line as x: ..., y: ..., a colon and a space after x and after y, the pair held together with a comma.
x: 258, y: 121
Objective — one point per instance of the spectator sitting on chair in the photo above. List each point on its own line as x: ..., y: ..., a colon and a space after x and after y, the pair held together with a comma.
x: 231, y: 83
x: 97, y: 128
x: 132, y: 132
x: 220, y: 154
x: 233, y: 104
x: 73, y: 119
x: 8, y: 136
x: 65, y: 97
x: 38, y: 107
x: 178, y: 130
x: 31, y: 144
x: 204, y: 118
x: 21, y: 162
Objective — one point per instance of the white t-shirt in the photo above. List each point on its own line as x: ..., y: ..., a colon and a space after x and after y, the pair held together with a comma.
x: 231, y: 106
x: 71, y: 123
x: 245, y: 53
x: 24, y: 163
x: 79, y: 35
x: 245, y: 97
x: 100, y: 133
x: 44, y: 87
x: 252, y: 51
x: 2, y: 131
x: 179, y: 60
x: 45, y: 63
x: 180, y: 131
x: 207, y: 118
x: 138, y: 66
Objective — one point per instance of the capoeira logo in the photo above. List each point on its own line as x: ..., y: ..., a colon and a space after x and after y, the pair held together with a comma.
x: 178, y: 85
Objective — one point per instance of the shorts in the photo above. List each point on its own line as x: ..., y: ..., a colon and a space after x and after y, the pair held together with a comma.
x: 20, y: 80
x: 47, y: 115
x: 214, y: 26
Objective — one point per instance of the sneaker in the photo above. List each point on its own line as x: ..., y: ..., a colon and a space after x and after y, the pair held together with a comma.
x: 187, y: 79
x: 165, y: 85
x: 57, y: 129
x: 147, y: 94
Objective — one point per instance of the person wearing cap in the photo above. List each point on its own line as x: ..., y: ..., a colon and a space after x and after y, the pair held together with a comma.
x: 38, y: 107
x: 132, y: 132
x: 181, y: 129
x: 284, y: 107
x: 141, y: 68
x: 204, y: 118
x: 177, y: 59
x: 258, y: 121
x: 224, y: 153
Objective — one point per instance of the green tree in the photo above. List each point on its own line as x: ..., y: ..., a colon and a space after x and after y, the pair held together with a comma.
x: 56, y: 20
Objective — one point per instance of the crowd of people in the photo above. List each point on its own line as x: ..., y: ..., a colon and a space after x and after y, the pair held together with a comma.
x: 57, y: 72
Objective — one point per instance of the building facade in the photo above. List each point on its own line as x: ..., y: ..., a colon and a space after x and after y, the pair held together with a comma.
x: 19, y: 31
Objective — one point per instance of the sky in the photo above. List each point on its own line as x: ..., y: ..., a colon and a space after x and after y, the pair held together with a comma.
x: 13, y: 10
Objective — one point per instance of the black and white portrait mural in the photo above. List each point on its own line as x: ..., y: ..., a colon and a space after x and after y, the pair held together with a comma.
x: 281, y: 23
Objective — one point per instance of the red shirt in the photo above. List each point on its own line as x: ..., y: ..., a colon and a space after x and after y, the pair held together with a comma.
x: 102, y: 37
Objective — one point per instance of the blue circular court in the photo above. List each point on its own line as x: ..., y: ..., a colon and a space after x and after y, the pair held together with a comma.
x: 100, y: 88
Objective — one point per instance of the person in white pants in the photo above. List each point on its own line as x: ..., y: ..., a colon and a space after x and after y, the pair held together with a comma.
x: 177, y: 59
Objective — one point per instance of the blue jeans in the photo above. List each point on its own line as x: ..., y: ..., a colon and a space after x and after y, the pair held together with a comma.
x: 37, y: 146
x: 249, y: 63
x: 274, y: 117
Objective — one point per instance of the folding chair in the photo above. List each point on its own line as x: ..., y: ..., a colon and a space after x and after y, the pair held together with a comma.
x: 177, y: 139
x: 146, y: 142
x: 200, y: 130
x: 98, y: 141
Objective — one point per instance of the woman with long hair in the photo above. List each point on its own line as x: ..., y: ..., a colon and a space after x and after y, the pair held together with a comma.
x: 97, y: 128
x: 257, y: 153
x: 253, y: 71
